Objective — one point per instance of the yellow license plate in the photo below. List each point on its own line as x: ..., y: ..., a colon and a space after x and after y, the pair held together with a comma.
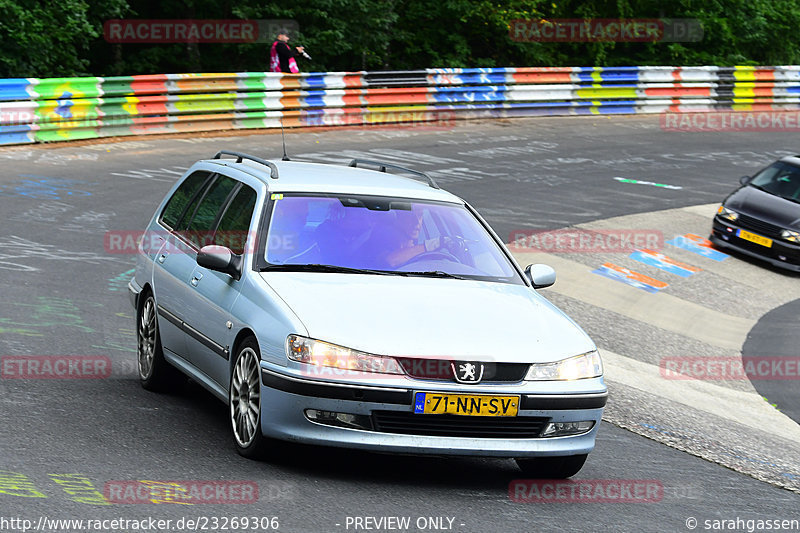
x: 435, y: 403
x: 752, y: 237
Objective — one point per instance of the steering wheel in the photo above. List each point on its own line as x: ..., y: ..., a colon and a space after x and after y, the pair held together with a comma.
x: 458, y: 248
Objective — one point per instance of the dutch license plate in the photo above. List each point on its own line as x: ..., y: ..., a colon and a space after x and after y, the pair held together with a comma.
x: 434, y: 403
x: 752, y: 237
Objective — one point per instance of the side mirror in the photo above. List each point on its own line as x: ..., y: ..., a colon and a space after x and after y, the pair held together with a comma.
x: 540, y: 276
x: 744, y: 180
x: 220, y: 259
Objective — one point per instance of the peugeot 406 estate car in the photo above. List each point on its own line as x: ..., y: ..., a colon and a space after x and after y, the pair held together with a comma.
x: 762, y: 217
x: 350, y: 306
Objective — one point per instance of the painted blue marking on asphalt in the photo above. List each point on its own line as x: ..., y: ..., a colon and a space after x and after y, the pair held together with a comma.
x: 619, y: 276
x: 655, y: 261
x: 691, y: 246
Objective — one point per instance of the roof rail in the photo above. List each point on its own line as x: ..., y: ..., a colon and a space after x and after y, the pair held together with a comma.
x: 239, y: 156
x: 383, y: 166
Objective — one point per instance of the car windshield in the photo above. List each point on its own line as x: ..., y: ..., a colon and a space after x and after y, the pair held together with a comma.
x: 390, y: 235
x: 780, y: 179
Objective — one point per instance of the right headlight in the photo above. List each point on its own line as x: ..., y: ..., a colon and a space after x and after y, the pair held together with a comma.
x: 789, y: 235
x: 583, y: 366
x: 324, y: 354
x: 727, y: 214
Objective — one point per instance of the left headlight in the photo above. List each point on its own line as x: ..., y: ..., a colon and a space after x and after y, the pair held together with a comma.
x: 314, y: 352
x: 790, y: 235
x: 727, y: 214
x: 588, y: 365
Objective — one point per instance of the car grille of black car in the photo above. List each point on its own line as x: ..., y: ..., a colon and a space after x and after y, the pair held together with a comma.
x: 440, y: 369
x: 759, y: 226
x: 484, y: 427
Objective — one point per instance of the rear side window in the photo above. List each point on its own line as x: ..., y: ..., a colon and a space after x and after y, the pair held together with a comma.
x: 183, y: 196
x: 210, y: 207
x: 235, y: 223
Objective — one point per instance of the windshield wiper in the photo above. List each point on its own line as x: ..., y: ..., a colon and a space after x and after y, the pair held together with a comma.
x: 433, y: 274
x: 325, y: 268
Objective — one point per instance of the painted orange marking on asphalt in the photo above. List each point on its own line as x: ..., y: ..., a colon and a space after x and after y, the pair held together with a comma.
x: 636, y: 276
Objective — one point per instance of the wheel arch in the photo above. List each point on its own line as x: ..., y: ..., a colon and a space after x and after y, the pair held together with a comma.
x: 146, y: 289
x: 243, y: 334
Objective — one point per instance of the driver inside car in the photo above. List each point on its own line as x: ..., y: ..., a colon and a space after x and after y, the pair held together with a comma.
x: 404, y: 242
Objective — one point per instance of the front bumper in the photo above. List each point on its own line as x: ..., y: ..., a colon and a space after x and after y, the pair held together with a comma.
x: 781, y: 254
x: 287, y: 395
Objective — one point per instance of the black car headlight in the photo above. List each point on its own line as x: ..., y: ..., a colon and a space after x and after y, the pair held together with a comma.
x: 791, y: 236
x: 727, y: 214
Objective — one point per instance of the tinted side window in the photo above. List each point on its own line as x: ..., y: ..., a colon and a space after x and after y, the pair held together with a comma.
x: 235, y: 223
x: 183, y: 195
x: 199, y: 228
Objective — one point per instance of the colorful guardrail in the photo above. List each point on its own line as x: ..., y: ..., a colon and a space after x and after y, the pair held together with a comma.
x: 60, y: 109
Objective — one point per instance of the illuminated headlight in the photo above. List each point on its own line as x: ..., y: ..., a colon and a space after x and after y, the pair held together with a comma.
x: 789, y: 235
x: 727, y: 214
x: 312, y: 352
x: 583, y: 366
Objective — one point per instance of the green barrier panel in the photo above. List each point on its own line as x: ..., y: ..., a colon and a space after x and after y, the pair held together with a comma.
x: 66, y: 88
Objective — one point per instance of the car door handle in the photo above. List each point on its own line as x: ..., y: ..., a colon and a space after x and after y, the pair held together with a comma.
x: 196, y: 277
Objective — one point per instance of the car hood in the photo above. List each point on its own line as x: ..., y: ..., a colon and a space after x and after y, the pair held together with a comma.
x: 765, y: 206
x: 430, y: 317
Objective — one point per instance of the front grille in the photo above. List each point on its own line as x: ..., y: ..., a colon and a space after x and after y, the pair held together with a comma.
x: 485, y: 427
x: 440, y: 369
x: 764, y: 228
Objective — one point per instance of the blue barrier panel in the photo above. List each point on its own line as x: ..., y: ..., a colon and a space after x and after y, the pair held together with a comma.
x: 14, y: 89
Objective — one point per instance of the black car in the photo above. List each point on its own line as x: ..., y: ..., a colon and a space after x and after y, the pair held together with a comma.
x: 762, y: 217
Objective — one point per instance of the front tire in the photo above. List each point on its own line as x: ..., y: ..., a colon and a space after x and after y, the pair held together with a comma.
x: 244, y: 399
x: 551, y: 467
x: 154, y: 371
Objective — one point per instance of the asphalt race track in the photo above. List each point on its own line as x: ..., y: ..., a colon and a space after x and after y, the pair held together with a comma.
x: 716, y: 450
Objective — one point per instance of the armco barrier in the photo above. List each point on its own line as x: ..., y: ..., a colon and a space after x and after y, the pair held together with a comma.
x: 60, y: 109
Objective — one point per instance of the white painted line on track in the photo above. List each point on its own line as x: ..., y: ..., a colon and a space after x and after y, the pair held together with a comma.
x: 746, y: 408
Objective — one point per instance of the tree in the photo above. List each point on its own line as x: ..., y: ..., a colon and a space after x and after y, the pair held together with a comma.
x: 50, y: 39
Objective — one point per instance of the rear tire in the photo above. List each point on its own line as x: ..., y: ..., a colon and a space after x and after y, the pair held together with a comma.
x: 155, y: 374
x: 551, y: 467
x: 244, y: 399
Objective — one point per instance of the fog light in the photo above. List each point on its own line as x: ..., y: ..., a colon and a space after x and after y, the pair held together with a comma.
x: 561, y: 429
x: 342, y: 420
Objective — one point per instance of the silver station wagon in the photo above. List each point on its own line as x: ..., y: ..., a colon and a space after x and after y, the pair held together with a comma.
x: 351, y: 306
